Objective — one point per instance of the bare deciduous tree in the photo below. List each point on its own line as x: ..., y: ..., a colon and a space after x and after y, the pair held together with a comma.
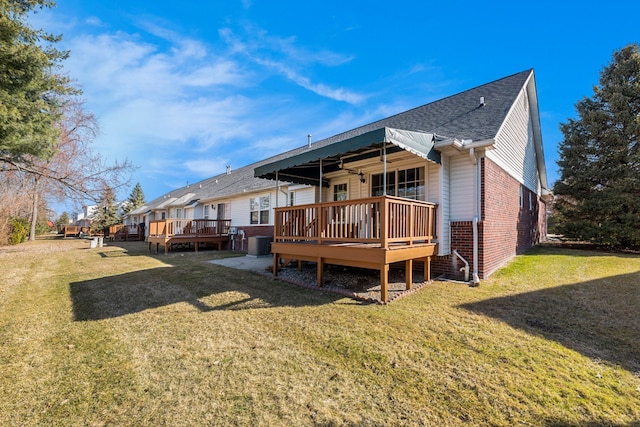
x: 74, y: 171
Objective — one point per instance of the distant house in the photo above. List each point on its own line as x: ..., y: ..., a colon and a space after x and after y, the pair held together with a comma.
x: 457, y: 184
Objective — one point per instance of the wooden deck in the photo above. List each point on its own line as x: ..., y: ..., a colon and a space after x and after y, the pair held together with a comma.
x: 126, y: 232
x: 369, y: 233
x: 170, y: 232
x: 75, y: 230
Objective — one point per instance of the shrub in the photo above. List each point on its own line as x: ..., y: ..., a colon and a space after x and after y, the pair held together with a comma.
x: 19, y: 231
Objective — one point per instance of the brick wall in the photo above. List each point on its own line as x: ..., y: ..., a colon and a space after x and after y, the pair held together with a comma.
x: 462, y: 241
x: 507, y: 227
x: 250, y: 231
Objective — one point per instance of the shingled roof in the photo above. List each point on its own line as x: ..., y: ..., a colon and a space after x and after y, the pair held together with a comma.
x: 476, y: 114
x: 460, y: 116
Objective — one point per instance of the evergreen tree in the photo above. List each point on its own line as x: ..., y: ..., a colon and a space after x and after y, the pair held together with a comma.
x: 62, y: 221
x: 31, y: 87
x: 135, y: 200
x: 106, y: 213
x: 598, y: 194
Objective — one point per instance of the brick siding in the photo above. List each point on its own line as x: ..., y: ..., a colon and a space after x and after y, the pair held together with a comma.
x: 249, y: 231
x: 507, y: 227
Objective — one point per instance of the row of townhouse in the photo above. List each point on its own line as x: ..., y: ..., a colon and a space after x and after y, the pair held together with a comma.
x: 472, y: 163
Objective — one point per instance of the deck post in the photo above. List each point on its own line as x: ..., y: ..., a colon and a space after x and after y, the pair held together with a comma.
x: 408, y: 273
x: 320, y: 271
x: 427, y: 269
x: 275, y: 265
x: 384, y: 283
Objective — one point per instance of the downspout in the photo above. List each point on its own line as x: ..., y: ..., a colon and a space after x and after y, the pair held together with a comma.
x: 477, y: 209
x: 320, y: 195
x: 466, y: 265
x: 384, y: 168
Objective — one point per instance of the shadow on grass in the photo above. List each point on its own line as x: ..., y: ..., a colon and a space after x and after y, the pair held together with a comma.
x: 563, y: 423
x: 598, y: 318
x: 206, y: 288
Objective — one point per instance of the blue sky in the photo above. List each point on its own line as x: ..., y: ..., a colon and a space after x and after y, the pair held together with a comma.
x: 182, y: 89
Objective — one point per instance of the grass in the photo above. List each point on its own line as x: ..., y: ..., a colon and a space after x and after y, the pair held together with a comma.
x: 116, y: 336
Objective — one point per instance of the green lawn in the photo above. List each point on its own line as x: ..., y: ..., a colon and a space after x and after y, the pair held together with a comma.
x: 115, y: 336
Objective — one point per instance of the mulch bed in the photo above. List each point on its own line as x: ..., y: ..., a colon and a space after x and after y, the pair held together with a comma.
x: 357, y: 283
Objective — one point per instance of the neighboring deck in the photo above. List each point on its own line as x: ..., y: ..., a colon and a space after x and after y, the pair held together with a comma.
x: 126, y: 232
x: 170, y: 232
x: 369, y: 233
x: 76, y: 230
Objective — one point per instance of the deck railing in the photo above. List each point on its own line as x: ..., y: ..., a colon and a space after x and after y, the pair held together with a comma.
x: 127, y: 229
x: 188, y: 227
x: 381, y: 220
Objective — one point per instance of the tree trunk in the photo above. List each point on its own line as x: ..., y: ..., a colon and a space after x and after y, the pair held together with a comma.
x: 34, y: 210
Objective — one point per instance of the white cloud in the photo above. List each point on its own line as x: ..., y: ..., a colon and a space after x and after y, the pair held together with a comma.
x: 261, y: 48
x: 94, y: 21
x: 181, y: 109
x: 160, y: 106
x: 205, y: 168
x: 119, y: 66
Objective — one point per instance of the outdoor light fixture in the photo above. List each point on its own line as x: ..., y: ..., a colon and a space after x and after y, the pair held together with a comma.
x: 361, y: 175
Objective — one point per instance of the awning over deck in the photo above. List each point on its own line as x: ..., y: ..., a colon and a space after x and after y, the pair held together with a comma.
x: 304, y: 168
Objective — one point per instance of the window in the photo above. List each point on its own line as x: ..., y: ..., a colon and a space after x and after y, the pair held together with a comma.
x: 205, y: 214
x: 163, y: 215
x: 259, y: 207
x: 340, y: 192
x: 224, y: 211
x: 411, y: 184
x: 407, y: 183
x: 521, y: 197
x: 377, y: 184
x: 178, y: 213
x: 292, y: 198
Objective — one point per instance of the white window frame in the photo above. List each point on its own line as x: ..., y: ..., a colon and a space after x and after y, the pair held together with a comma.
x: 260, y: 205
x: 346, y: 191
x: 521, y: 197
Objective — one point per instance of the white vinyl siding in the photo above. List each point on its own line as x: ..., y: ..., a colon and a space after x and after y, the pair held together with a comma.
x: 515, y: 149
x: 438, y: 192
x: 462, y: 187
x: 305, y: 196
x: 240, y: 207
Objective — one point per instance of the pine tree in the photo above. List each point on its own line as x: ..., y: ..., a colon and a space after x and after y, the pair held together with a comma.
x: 598, y: 194
x: 135, y: 200
x: 106, y: 213
x: 62, y: 221
x: 31, y: 87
